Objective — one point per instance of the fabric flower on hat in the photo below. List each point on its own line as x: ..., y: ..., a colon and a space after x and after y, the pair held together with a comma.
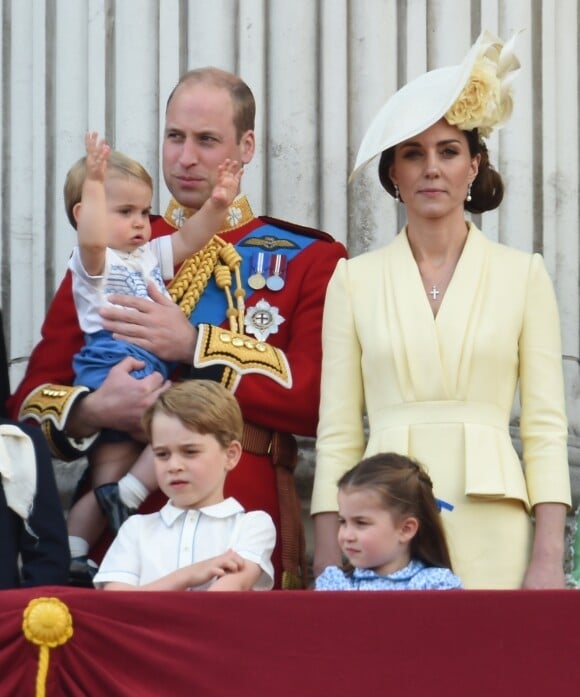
x: 486, y: 101
x: 475, y: 93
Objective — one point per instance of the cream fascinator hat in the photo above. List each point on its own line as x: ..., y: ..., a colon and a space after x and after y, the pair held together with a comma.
x: 475, y: 94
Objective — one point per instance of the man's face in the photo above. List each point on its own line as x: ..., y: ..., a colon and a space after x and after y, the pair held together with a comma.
x: 199, y: 135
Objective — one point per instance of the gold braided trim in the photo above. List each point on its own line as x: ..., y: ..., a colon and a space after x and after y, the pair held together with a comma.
x: 291, y: 581
x: 232, y: 261
x: 51, y: 403
x: 50, y: 406
x: 239, y: 352
x: 191, y: 280
x: 230, y: 379
x: 222, y: 259
x: 49, y: 429
x: 217, y: 257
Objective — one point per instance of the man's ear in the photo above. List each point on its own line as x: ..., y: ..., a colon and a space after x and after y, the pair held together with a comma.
x: 247, y: 146
x: 233, y: 454
x: 408, y: 529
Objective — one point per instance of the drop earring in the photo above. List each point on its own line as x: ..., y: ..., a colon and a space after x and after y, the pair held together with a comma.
x: 468, y: 197
x: 397, y: 194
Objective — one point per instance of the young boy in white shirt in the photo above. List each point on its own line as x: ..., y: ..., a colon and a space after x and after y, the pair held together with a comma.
x: 199, y: 540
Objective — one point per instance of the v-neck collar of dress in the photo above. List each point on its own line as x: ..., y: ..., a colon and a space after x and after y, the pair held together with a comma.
x: 436, y: 341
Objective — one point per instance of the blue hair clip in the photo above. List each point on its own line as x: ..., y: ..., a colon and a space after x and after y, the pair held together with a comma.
x: 443, y: 505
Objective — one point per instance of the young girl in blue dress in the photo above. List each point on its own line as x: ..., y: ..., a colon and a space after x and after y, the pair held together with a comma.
x: 390, y: 529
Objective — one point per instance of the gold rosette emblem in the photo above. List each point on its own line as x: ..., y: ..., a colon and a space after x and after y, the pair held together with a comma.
x: 47, y: 623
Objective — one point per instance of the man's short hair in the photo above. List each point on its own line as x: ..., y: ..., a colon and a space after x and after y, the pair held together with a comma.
x: 242, y: 98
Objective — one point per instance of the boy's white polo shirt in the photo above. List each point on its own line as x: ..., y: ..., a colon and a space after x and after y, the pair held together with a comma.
x: 151, y: 546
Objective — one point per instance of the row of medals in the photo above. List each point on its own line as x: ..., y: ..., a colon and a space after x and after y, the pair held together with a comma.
x: 268, y: 271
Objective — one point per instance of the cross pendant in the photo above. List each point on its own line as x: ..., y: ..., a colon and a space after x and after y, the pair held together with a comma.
x: 434, y: 292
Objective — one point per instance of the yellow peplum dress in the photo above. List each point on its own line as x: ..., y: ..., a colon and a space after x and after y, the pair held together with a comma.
x: 442, y: 390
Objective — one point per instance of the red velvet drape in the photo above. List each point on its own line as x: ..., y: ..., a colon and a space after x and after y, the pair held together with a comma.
x: 301, y: 643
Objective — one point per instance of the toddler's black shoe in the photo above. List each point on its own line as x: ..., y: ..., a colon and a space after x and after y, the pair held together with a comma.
x: 112, y: 506
x: 81, y: 572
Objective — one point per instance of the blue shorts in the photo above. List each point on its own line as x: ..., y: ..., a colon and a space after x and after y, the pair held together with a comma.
x: 101, y: 352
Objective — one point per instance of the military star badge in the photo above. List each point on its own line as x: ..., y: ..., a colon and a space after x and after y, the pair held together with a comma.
x: 262, y: 320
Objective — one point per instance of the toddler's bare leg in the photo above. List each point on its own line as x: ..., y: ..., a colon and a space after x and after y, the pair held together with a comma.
x: 109, y: 462
x: 144, y: 469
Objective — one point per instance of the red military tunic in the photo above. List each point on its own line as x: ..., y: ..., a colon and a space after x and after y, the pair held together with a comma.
x: 287, y: 406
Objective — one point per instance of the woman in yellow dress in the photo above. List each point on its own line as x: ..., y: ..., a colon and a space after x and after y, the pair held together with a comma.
x: 431, y: 336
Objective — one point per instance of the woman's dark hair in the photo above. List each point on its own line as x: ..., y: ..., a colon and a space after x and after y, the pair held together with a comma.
x: 487, y: 189
x: 405, y: 490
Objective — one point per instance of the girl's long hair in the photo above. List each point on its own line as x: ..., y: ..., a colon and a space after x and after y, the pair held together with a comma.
x: 405, y: 489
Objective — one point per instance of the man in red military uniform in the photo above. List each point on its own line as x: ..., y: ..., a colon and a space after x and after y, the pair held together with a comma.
x: 248, y: 313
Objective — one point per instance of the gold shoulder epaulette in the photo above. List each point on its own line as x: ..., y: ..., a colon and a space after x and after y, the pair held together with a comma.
x: 241, y: 353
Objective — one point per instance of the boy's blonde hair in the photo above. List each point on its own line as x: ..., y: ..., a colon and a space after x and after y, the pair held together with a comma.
x: 202, y: 406
x: 118, y: 164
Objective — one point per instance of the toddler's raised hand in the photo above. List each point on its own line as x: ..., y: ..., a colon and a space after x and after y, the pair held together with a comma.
x: 97, y: 156
x: 229, y: 175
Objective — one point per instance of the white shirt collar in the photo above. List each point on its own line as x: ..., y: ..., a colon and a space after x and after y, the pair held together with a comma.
x: 134, y: 254
x: 224, y: 509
